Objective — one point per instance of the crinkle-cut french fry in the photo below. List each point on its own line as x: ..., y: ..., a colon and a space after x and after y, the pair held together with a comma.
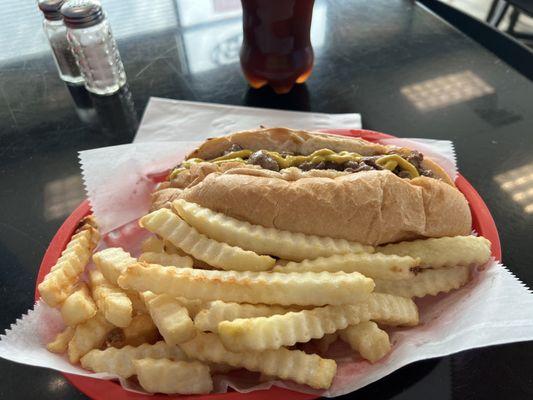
x: 85, y: 237
x: 218, y: 254
x: 388, y: 309
x: 323, y: 344
x: 308, y: 288
x: 368, y: 340
x: 170, y: 317
x: 111, y: 300
x: 260, y: 333
x: 426, y: 282
x: 218, y: 311
x: 166, y: 259
x: 193, y: 306
x: 112, y: 261
x: 60, y: 282
x: 60, y: 343
x: 443, y: 252
x: 264, y: 333
x: 78, y: 307
x: 374, y: 265
x: 283, y: 244
x: 75, y: 247
x: 308, y: 369
x: 165, y: 376
x: 115, y: 338
x: 171, y: 249
x: 141, y: 330
x: 87, y: 336
x: 153, y: 245
x: 89, y: 223
x: 137, y: 303
x: 120, y: 361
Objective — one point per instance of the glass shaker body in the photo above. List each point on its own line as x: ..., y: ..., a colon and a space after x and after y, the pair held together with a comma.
x: 97, y: 55
x: 68, y: 70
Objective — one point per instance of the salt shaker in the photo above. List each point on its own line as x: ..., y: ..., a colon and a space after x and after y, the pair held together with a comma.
x: 57, y: 36
x: 93, y: 45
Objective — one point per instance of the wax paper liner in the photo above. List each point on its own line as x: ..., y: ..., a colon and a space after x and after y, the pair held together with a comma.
x: 482, y: 313
x: 177, y: 120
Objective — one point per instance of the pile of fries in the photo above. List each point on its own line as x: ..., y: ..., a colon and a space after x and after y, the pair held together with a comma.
x: 210, y: 294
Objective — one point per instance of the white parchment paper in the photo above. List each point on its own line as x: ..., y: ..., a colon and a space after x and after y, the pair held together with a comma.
x: 178, y: 120
x: 119, y: 180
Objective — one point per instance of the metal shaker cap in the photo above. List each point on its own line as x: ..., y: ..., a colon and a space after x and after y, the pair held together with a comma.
x: 82, y: 13
x: 51, y: 9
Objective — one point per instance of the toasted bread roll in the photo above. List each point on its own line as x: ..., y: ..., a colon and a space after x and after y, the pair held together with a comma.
x: 370, y: 207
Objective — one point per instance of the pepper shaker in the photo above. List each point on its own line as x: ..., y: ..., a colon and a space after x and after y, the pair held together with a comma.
x: 56, y: 33
x: 93, y: 45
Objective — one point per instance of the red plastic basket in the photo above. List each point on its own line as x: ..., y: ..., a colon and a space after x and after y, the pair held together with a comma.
x: 482, y: 222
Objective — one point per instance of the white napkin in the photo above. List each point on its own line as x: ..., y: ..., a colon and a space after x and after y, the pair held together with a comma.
x: 178, y: 120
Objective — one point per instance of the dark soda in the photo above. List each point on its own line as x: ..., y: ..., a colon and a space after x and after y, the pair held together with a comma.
x: 276, y: 48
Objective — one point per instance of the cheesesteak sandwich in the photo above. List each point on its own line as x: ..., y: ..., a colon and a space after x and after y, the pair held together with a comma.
x: 320, y: 184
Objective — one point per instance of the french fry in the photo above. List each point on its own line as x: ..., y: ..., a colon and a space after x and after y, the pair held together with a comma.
x: 325, y: 342
x: 261, y: 333
x: 60, y: 343
x: 111, y: 300
x: 60, y: 282
x: 264, y: 333
x: 171, y: 249
x: 153, y: 245
x: 374, y: 265
x: 141, y: 330
x: 308, y: 369
x: 120, y: 361
x: 282, y: 244
x: 426, y: 282
x: 193, y: 306
x: 115, y: 338
x: 78, y: 307
x: 308, y: 288
x: 218, y: 254
x: 112, y: 261
x: 388, y: 309
x: 368, y: 340
x: 218, y: 311
x: 87, y: 336
x: 443, y: 252
x: 165, y: 376
x: 170, y: 317
x: 85, y: 236
x: 76, y: 246
x: 166, y: 259
x: 137, y: 303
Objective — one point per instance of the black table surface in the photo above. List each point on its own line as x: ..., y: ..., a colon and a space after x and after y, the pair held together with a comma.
x: 387, y: 59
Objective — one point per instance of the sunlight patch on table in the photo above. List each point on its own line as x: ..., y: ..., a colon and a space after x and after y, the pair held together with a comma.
x: 446, y: 90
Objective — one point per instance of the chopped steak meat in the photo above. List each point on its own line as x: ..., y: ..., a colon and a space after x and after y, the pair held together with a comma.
x: 264, y: 160
x: 365, y: 163
x: 415, y: 158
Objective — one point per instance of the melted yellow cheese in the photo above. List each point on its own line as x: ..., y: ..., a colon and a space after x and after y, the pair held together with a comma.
x: 390, y: 161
